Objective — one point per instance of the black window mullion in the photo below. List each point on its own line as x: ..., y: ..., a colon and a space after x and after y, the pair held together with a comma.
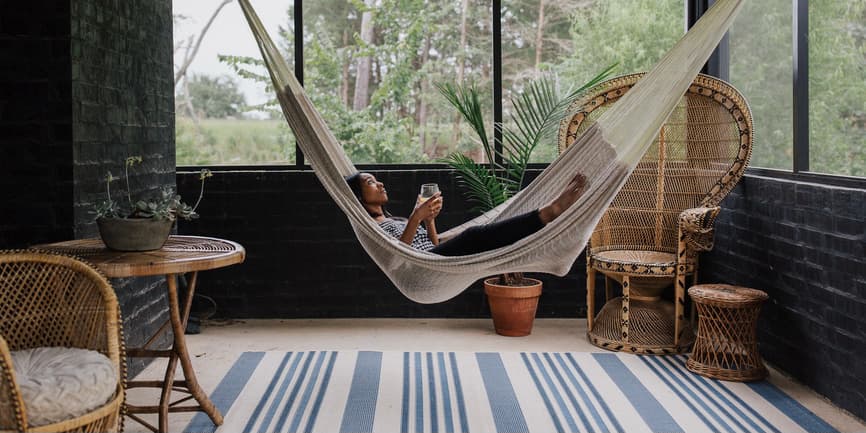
x: 299, y: 65
x: 801, y: 85
x: 718, y: 65
x: 497, y: 79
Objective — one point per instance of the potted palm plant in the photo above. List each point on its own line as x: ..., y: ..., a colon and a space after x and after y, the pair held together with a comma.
x: 535, y: 118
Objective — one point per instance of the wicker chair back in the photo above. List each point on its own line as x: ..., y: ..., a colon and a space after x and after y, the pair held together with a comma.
x: 698, y: 156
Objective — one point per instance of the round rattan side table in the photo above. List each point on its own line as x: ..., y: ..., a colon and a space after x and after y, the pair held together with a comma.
x: 726, y: 345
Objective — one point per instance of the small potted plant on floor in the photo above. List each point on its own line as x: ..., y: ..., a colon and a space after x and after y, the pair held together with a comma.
x: 536, y: 114
x: 143, y: 224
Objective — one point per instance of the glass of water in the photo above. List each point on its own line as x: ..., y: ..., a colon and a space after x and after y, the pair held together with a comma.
x: 427, y: 191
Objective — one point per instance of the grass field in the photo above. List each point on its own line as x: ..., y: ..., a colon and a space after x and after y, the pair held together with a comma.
x: 261, y: 142
x: 234, y: 142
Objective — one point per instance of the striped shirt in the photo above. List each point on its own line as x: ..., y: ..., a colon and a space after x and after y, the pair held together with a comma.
x: 396, y: 227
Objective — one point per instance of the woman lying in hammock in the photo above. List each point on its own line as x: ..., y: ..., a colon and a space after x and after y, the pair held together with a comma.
x: 373, y: 196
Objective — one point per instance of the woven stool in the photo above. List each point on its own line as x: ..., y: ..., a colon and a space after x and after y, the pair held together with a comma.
x: 726, y: 346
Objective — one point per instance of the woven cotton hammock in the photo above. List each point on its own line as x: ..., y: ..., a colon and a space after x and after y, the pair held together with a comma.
x: 606, y: 153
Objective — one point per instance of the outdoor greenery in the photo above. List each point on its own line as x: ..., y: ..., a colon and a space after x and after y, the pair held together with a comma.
x: 371, y: 68
x: 233, y: 141
x: 761, y: 68
x: 837, y: 86
x: 211, y: 97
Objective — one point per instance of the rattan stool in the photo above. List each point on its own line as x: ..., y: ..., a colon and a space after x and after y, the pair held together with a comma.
x: 726, y: 346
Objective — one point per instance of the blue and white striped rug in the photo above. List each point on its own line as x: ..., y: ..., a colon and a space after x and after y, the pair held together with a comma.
x: 460, y: 392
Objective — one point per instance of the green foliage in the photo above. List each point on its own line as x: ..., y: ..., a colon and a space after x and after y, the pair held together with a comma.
x: 761, y: 65
x: 390, y: 129
x: 535, y: 118
x: 214, y: 97
x: 166, y: 205
x: 418, y: 42
x: 837, y: 87
x: 579, y: 38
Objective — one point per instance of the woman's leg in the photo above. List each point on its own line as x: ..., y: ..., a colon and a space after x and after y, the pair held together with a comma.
x: 499, y: 234
x: 491, y: 236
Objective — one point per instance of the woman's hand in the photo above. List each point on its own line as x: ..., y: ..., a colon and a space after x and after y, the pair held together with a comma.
x: 429, y: 209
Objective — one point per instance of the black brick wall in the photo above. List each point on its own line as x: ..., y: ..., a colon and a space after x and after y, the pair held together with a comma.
x: 36, y: 190
x: 303, y: 259
x: 803, y: 244
x: 84, y: 84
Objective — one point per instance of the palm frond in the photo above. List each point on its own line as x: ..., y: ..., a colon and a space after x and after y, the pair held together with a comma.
x: 481, y: 186
x: 464, y: 97
x: 535, y: 117
x: 601, y: 76
x: 536, y: 114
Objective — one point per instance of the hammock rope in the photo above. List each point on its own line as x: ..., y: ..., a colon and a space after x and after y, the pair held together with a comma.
x: 606, y: 154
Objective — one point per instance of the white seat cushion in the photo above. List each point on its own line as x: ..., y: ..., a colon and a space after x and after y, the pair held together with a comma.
x: 61, y: 383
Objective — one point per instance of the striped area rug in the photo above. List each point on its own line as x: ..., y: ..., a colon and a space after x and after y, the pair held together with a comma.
x: 460, y: 392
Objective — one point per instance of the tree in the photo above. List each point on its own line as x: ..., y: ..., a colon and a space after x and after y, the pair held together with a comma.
x: 390, y: 113
x: 214, y: 97
x: 761, y: 65
x: 192, y: 44
x: 365, y: 61
x: 634, y: 34
x: 837, y: 87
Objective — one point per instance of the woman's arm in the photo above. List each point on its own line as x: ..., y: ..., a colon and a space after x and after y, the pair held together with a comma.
x: 431, y: 231
x: 436, y: 206
x: 424, y: 211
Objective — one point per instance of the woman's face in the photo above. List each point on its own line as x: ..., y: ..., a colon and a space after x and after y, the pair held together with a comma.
x: 373, y: 191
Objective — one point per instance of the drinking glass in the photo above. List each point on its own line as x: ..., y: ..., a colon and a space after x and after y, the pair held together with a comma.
x: 427, y: 191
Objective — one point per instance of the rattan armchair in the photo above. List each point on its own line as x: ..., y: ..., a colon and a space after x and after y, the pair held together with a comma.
x: 50, y: 300
x: 663, y: 217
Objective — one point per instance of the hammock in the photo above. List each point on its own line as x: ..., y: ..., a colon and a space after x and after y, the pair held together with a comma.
x: 606, y: 153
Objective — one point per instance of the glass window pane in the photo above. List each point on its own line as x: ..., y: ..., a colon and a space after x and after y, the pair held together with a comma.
x: 761, y: 69
x: 837, y: 87
x: 224, y: 116
x: 577, y: 40
x: 372, y: 72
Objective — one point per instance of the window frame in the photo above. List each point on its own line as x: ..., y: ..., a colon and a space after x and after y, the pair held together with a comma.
x: 718, y: 65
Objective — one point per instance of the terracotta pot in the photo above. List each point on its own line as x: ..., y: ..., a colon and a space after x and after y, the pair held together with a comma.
x: 512, y: 307
x: 134, y: 234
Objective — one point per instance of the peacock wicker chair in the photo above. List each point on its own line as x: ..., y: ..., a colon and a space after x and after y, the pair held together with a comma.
x: 46, y: 300
x: 663, y: 217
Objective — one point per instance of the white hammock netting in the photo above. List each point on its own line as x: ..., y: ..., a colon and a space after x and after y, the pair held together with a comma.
x: 606, y: 153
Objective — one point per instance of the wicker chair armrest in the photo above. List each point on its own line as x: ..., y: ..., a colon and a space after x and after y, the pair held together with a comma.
x: 12, y: 412
x: 696, y: 227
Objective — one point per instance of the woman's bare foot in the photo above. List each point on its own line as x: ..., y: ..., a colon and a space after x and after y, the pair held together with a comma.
x: 566, y: 198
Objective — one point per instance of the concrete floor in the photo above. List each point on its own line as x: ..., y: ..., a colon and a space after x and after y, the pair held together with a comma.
x: 219, y: 344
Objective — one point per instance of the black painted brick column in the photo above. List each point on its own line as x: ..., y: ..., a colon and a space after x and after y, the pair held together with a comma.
x: 123, y: 105
x: 84, y: 84
x: 303, y: 260
x: 804, y: 245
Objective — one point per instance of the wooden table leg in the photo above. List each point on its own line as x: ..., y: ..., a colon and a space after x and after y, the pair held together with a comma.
x: 165, y: 396
x: 178, y: 325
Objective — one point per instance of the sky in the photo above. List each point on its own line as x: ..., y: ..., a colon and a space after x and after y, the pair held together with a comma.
x: 229, y: 34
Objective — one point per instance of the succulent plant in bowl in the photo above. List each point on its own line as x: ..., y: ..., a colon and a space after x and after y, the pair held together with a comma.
x: 143, y: 223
